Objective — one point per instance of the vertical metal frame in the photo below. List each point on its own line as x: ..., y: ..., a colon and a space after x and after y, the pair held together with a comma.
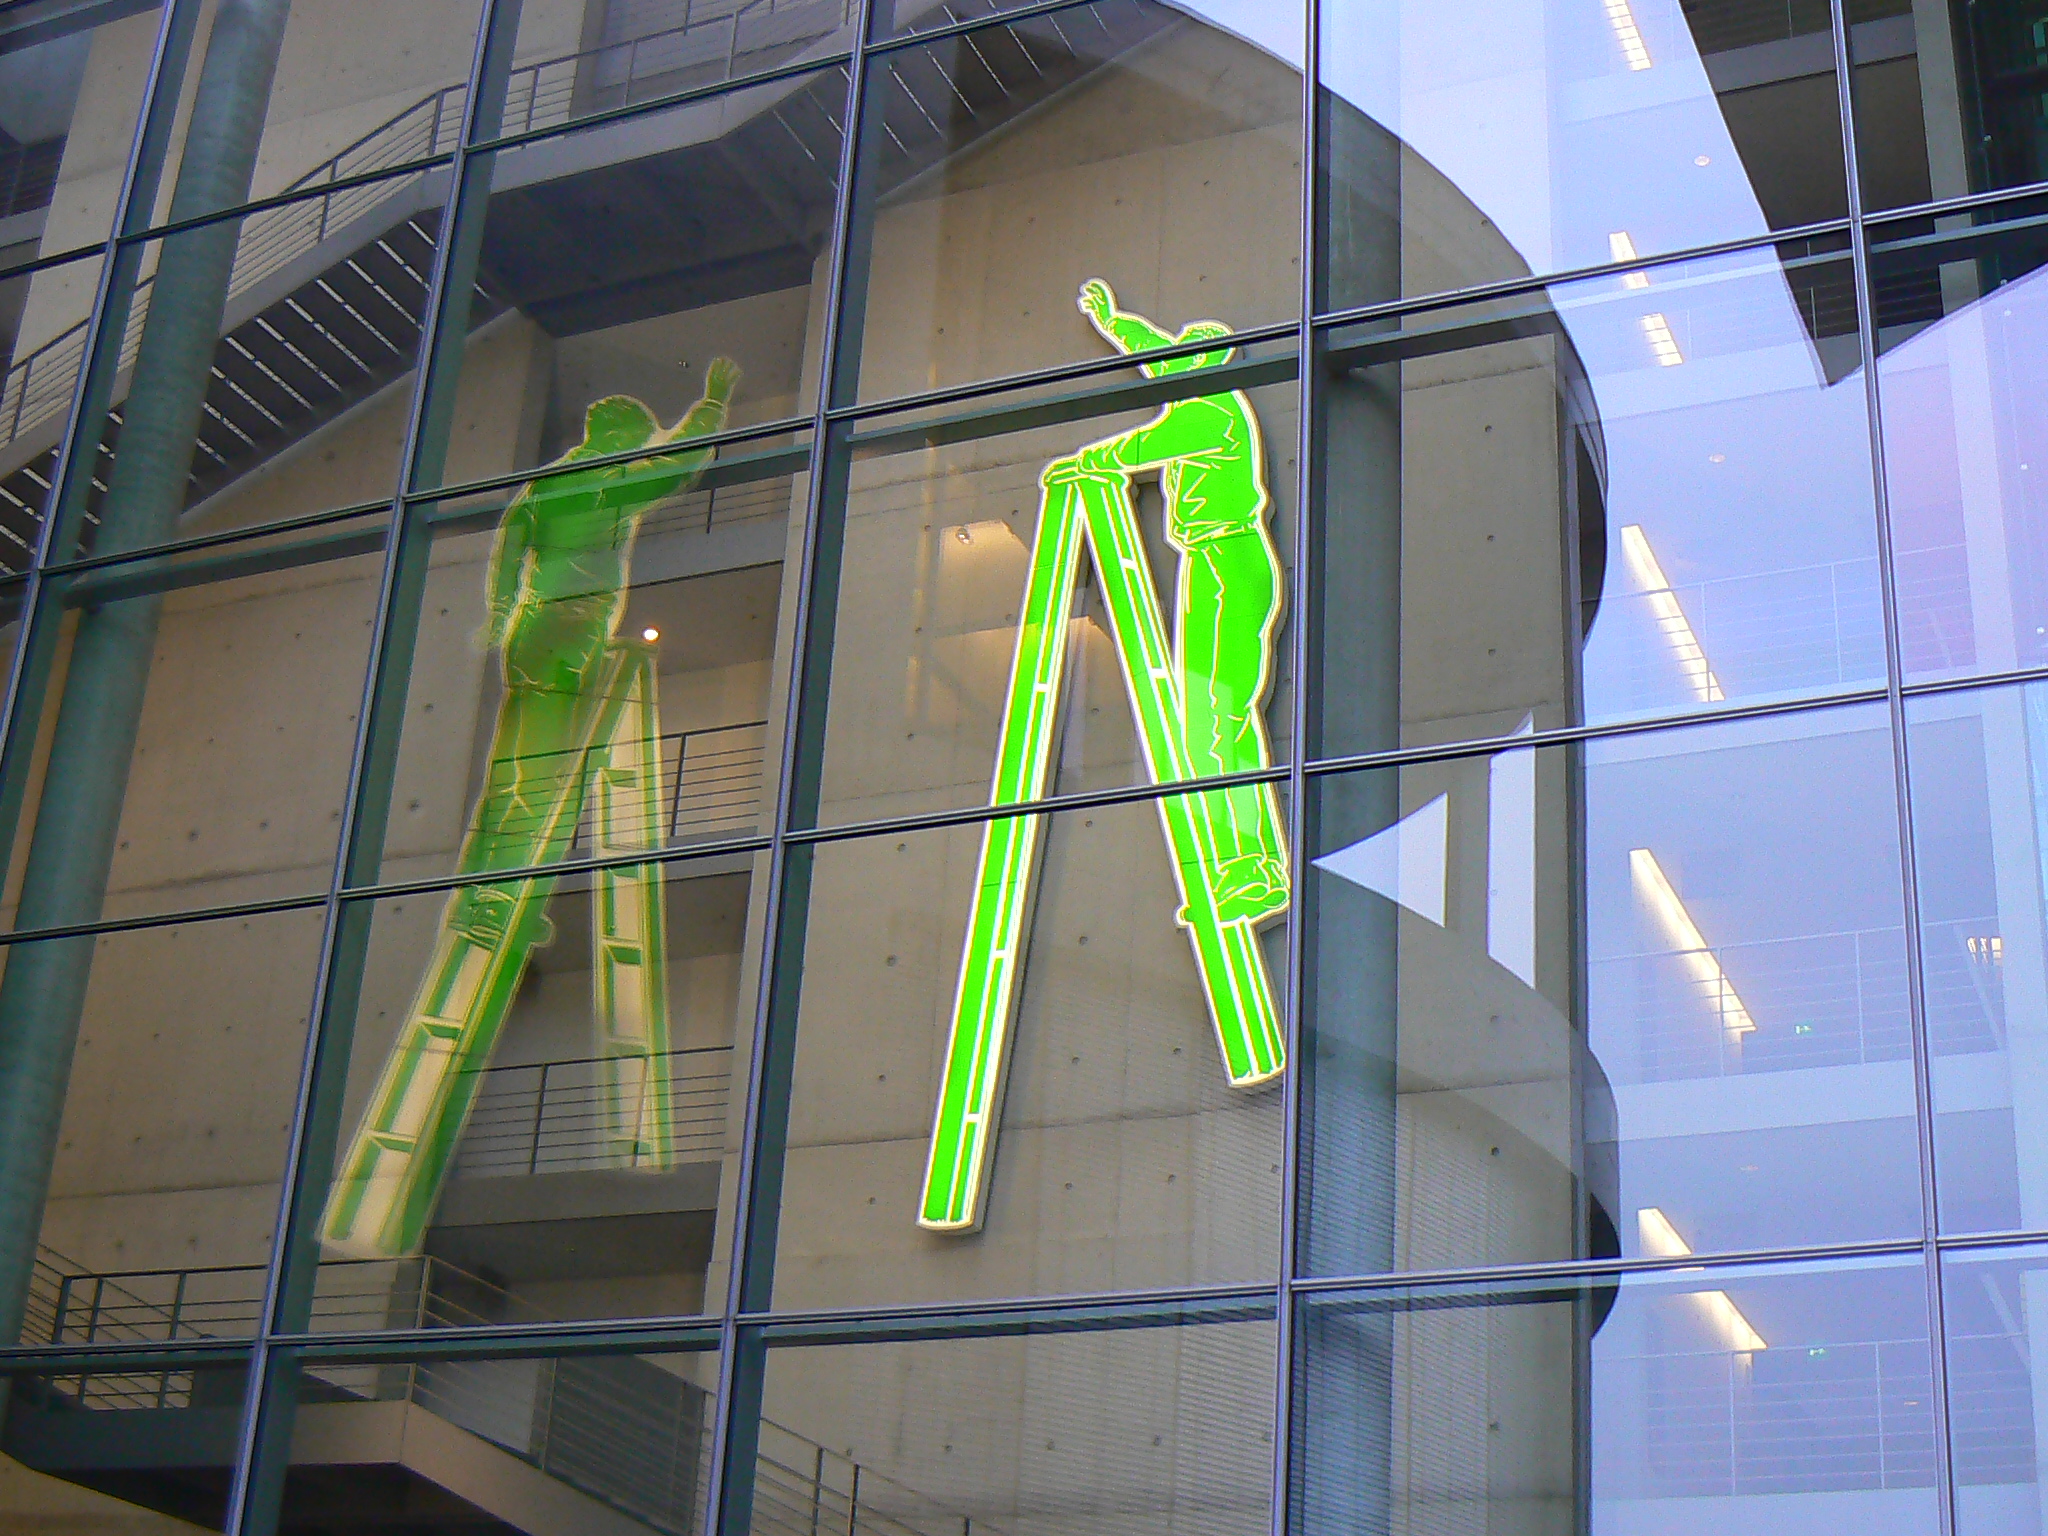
x: 264, y: 1438
x: 750, y: 1254
x: 1307, y: 545
x: 257, y: 1481
x: 1895, y: 703
x: 29, y: 669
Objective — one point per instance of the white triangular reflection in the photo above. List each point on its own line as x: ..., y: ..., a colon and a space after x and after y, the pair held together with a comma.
x: 1404, y: 863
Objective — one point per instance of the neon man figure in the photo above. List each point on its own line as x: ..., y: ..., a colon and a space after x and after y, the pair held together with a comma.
x: 1198, y: 711
x: 577, y: 731
x: 1212, y: 476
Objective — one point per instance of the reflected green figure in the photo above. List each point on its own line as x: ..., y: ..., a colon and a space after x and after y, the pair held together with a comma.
x: 1212, y: 475
x: 1197, y: 706
x: 577, y: 730
x: 557, y: 586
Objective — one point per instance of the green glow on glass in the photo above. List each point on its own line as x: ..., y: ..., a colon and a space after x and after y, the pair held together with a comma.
x: 1199, y: 711
x: 579, y: 726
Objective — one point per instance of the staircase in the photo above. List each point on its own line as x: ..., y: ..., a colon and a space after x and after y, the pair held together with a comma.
x: 324, y: 309
x: 327, y: 298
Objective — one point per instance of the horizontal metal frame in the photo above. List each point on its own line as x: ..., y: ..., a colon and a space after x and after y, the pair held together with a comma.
x: 782, y: 426
x: 981, y: 1317
x: 1066, y: 804
x: 292, y: 198
x: 839, y: 59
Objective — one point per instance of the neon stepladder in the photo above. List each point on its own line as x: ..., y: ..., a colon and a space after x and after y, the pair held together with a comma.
x: 578, y: 730
x: 1199, y: 711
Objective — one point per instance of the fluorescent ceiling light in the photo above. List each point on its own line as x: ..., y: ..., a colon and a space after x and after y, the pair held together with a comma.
x: 1623, y: 20
x: 1663, y: 345
x: 1690, y: 943
x: 1621, y: 248
x: 1661, y: 1239
x: 1685, y: 645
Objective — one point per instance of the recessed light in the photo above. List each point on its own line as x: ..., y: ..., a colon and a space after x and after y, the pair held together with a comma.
x: 1702, y: 159
x: 650, y: 634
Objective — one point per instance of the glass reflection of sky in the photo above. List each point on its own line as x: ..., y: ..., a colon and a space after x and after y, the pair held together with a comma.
x: 1745, y: 468
x: 1779, y: 836
x: 1530, y: 109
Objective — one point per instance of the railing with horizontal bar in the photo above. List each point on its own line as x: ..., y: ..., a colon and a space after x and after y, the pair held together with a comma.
x: 552, y: 1117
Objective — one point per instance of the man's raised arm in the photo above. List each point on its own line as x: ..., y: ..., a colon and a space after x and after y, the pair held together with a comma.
x: 1126, y: 332
x: 709, y: 413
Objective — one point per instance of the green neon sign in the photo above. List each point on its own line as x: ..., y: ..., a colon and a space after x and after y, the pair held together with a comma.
x: 578, y: 729
x: 1199, y: 711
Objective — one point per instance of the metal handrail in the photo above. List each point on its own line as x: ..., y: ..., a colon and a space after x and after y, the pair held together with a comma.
x: 823, y: 1492
x: 568, y: 1127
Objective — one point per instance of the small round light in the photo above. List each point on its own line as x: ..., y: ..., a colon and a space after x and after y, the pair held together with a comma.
x: 1702, y: 159
x: 1717, y: 458
x: 963, y: 535
x: 650, y: 634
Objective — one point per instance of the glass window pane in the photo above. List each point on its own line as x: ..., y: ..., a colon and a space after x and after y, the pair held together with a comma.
x: 345, y: 91
x: 186, y: 728
x: 1123, y: 142
x: 575, y: 58
x: 71, y: 79
x: 947, y: 532
x: 271, y: 379
x: 656, y: 596
x: 539, y: 1106
x: 1962, y: 317
x: 1990, y: 1303
x: 1977, y: 765
x: 1480, y: 143
x: 42, y: 338
x: 149, y: 1077
x: 601, y: 1444
x: 1137, y: 1428
x: 641, y: 259
x: 1948, y: 101
x: 145, y: 1446
x: 1742, y: 1399
x: 1012, y: 1081
x: 1645, y: 996
x: 1631, y: 496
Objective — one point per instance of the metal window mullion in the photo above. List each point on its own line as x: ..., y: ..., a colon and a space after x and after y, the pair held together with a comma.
x: 730, y: 1437
x: 1294, y: 981
x: 1916, y: 970
x: 265, y: 1430
x: 148, y: 150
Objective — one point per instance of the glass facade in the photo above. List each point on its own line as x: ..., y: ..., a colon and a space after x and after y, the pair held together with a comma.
x: 904, y: 767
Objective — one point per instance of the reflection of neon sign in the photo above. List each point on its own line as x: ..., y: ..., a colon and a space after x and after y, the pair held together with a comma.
x: 578, y: 734
x: 1199, y: 711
